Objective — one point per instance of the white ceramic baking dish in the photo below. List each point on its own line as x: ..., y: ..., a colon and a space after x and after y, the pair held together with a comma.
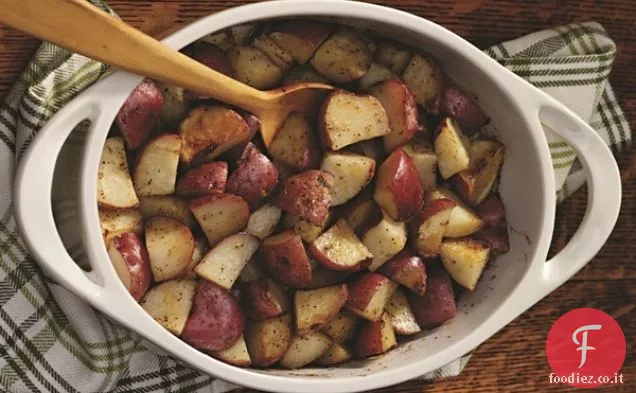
x: 513, y: 282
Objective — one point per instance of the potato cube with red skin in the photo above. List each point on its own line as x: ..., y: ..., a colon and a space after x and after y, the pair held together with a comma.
x: 295, y: 144
x: 156, y: 169
x: 384, y: 239
x: 216, y: 321
x: 130, y: 259
x: 140, y: 114
x: 375, y: 337
x: 369, y: 295
x: 421, y: 152
x: 393, y: 55
x: 306, y: 230
x: 361, y: 214
x: 352, y: 173
x: 268, y: 340
x: 402, y: 318
x: 169, y: 303
x: 323, y: 277
x: 254, y: 178
x: 398, y: 189
x: 492, y: 211
x: 437, y: 305
x: 495, y: 230
x: 211, y: 56
x: 376, y: 74
x: 400, y: 107
x: 305, y: 349
x: 347, y: 118
x: 274, y: 53
x: 220, y: 215
x: 455, y: 102
x: 342, y: 58
x: 253, y: 67
x: 316, y: 307
x: 427, y: 228
x: 209, y: 131
x: 407, y: 269
x: 264, y: 298
x: 465, y: 260
x: 342, y: 327
x: 475, y: 183
x: 340, y: 249
x: 206, y: 179
x: 166, y: 206
x: 170, y: 246
x: 463, y: 220
x: 115, y: 188
x: 236, y: 355
x: 307, y: 195
x: 299, y: 38
x: 285, y: 258
x: 116, y: 222
x: 425, y: 79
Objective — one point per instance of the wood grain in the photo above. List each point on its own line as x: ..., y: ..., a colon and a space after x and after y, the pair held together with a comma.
x: 514, y: 359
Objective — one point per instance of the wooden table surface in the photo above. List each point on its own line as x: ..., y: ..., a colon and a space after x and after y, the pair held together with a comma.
x: 514, y: 359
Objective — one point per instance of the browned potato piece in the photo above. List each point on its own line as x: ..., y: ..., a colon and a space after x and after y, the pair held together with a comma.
x: 352, y: 172
x: 116, y: 222
x: 384, y: 239
x: 315, y: 308
x: 425, y: 160
x: 211, y: 56
x: 285, y: 258
x: 407, y: 269
x: 376, y: 74
x: 361, y: 214
x: 169, y: 303
x: 130, y: 259
x: 393, y: 55
x: 347, y: 118
x: 343, y: 58
x: 220, y: 215
x: 397, y: 188
x: 402, y: 318
x: 303, y: 73
x: 452, y: 148
x: 114, y: 185
x: 200, y: 248
x: 254, y: 68
x: 306, y: 230
x: 170, y: 246
x: 340, y: 249
x: 428, y: 227
x: 336, y: 354
x: 209, y: 131
x: 305, y: 349
x: 140, y: 114
x: 223, y: 263
x: 465, y: 260
x: 475, y: 183
x: 263, y: 299
x: 369, y: 295
x: 207, y: 179
x: 342, y: 327
x: 456, y: 103
x: 252, y: 271
x: 299, y: 38
x: 323, y: 277
x: 268, y: 340
x: 425, y: 79
x: 295, y: 144
x: 274, y: 53
x: 156, y: 169
x: 175, y: 106
x: 438, y: 303
x: 308, y: 195
x: 400, y: 107
x: 236, y: 355
x: 463, y: 220
x: 263, y: 221
x: 375, y: 337
x: 166, y: 206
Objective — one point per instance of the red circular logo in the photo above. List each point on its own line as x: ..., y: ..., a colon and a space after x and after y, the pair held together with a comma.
x: 586, y: 348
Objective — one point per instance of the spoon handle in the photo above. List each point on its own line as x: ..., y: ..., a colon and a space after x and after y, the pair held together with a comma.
x: 81, y: 27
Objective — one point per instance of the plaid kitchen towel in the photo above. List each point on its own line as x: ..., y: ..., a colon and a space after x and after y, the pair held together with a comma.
x: 50, y: 341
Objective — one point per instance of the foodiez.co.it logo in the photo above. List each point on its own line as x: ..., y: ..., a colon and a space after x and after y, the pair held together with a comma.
x: 586, y: 348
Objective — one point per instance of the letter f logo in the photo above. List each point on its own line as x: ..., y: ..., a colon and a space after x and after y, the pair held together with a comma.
x: 584, y: 347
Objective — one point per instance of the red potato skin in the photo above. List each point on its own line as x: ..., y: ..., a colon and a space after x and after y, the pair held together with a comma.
x: 136, y: 257
x: 206, y: 179
x: 211, y: 56
x: 216, y: 320
x: 362, y: 289
x: 276, y: 259
x: 466, y: 112
x: 495, y: 232
x: 312, y: 32
x: 326, y: 262
x: 407, y: 269
x: 308, y: 195
x: 140, y: 114
x: 254, y: 178
x: 407, y: 193
x: 438, y: 303
x: 259, y: 302
x: 368, y: 339
x: 435, y: 206
x: 409, y: 116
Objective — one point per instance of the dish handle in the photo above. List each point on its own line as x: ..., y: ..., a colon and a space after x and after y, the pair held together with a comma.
x: 604, y: 189
x: 34, y: 208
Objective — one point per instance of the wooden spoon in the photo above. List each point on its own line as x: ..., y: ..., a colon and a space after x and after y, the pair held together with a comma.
x: 81, y: 27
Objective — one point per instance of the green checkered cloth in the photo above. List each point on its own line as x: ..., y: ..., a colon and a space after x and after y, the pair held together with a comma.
x: 50, y: 341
